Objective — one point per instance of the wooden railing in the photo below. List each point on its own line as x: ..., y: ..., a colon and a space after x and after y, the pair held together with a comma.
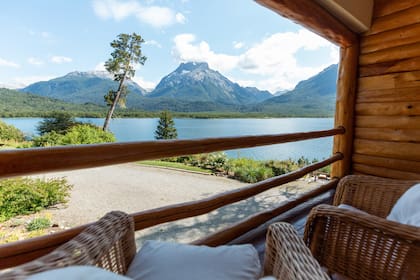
x: 29, y: 161
x: 37, y: 160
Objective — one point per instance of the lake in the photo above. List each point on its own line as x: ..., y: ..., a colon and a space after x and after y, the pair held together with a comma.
x: 134, y: 129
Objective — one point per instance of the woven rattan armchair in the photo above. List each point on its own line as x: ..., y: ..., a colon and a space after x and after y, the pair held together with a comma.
x: 287, y: 257
x: 352, y: 244
x: 108, y: 243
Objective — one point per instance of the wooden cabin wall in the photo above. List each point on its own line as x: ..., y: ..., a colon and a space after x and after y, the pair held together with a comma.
x: 387, y: 109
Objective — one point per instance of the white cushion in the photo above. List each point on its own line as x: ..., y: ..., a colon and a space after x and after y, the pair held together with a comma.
x: 162, y: 260
x: 77, y: 272
x: 407, y: 208
x: 351, y: 208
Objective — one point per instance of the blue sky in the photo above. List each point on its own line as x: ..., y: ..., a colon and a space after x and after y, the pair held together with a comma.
x: 249, y: 44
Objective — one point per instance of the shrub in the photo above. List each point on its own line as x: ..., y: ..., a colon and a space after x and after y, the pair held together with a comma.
x: 38, y: 224
x: 243, y: 169
x: 10, y: 133
x: 87, y: 134
x: 48, y: 139
x: 78, y: 134
x: 248, y: 170
x: 25, y: 195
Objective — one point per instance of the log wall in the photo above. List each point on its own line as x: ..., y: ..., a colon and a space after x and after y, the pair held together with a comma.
x: 387, y: 111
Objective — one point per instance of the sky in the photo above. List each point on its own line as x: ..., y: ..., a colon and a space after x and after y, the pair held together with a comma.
x: 244, y: 41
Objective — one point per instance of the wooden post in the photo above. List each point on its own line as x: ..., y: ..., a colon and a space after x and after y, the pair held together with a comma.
x: 344, y: 110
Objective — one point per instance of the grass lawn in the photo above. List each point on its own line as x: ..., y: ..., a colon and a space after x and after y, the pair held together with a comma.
x: 175, y: 165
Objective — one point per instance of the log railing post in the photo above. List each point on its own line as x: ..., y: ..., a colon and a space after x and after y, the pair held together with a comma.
x: 344, y: 110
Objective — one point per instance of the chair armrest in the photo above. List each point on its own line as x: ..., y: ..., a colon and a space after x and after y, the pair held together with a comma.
x: 362, y: 246
x: 108, y: 243
x: 371, y: 194
x: 287, y: 257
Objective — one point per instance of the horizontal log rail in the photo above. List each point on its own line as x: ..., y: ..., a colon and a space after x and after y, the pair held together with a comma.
x: 228, y: 234
x: 26, y: 250
x: 38, y: 160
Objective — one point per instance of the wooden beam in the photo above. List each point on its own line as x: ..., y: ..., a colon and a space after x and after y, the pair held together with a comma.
x: 391, y: 54
x: 397, y: 37
x: 390, y: 163
x: 388, y: 95
x: 385, y: 172
x: 395, y: 122
x: 396, y: 66
x: 344, y: 109
x: 40, y: 160
x: 390, y: 81
x: 388, y: 109
x: 227, y: 234
x: 386, y: 7
x: 388, y: 149
x: 388, y: 134
x: 315, y: 18
x: 395, y: 20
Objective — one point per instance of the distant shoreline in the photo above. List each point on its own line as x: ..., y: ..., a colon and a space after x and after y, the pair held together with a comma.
x: 179, y: 115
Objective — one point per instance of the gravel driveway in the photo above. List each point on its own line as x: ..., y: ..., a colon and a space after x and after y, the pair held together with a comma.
x: 132, y: 188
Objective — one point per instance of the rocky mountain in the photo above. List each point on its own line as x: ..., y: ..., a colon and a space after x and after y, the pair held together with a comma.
x: 196, y: 82
x: 83, y: 87
x: 312, y: 97
x: 194, y: 87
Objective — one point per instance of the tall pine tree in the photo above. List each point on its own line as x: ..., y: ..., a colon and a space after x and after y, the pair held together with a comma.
x: 166, y: 127
x: 126, y: 55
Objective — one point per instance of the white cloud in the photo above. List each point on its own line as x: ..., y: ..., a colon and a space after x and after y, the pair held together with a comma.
x: 60, y: 59
x: 8, y: 63
x: 156, y: 16
x: 272, y: 61
x: 185, y: 50
x: 153, y: 43
x: 20, y: 82
x: 35, y: 61
x: 238, y: 45
x: 45, y: 34
x: 334, y: 53
x: 180, y: 18
x: 100, y: 67
x: 147, y: 85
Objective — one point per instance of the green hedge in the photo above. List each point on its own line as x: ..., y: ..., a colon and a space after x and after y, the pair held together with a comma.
x: 21, y: 196
x: 243, y: 169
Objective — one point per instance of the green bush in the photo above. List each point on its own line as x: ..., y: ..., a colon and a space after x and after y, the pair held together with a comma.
x: 248, y: 170
x: 243, y: 169
x: 26, y: 195
x: 78, y: 134
x: 38, y: 223
x: 87, y: 134
x: 10, y: 133
x: 48, y: 139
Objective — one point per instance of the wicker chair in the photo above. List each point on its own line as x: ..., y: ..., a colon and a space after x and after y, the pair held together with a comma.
x: 365, y: 246
x: 354, y: 245
x: 287, y: 257
x: 108, y: 243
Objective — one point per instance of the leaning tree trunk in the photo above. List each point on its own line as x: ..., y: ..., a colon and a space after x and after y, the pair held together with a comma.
x: 114, y: 104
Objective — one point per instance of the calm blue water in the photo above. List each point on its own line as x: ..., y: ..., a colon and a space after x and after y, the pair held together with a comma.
x: 143, y: 129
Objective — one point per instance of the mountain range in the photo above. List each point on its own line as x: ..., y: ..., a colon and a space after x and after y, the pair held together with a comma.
x: 194, y: 87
